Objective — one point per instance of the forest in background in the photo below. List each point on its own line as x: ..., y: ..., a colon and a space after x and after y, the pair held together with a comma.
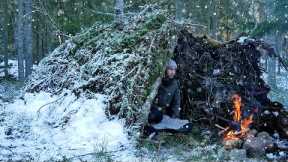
x: 30, y: 29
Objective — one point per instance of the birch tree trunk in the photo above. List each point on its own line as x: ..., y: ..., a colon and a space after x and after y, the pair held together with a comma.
x: 119, y: 14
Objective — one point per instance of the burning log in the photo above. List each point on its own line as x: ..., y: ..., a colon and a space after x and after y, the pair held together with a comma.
x: 232, y: 124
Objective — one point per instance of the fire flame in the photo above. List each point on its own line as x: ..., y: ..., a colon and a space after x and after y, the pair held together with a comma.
x: 244, y: 123
x: 237, y: 106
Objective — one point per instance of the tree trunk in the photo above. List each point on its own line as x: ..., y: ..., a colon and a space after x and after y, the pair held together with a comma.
x: 5, y: 35
x: 272, y: 72
x: 279, y: 49
x: 119, y: 14
x: 272, y: 67
x: 19, y: 36
x: 46, y: 44
x: 179, y: 10
x: 61, y: 19
x: 28, y: 37
x: 213, y: 19
x: 37, y: 40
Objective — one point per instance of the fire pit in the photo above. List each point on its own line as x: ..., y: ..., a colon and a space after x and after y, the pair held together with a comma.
x: 243, y: 124
x: 233, y: 136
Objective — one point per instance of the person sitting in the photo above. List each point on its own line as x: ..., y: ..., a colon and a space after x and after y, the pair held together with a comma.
x: 165, y: 110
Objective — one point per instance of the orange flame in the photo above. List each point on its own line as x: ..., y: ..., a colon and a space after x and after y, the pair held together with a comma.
x: 237, y: 106
x: 244, y: 123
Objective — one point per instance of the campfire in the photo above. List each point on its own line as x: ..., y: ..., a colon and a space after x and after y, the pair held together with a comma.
x: 242, y: 125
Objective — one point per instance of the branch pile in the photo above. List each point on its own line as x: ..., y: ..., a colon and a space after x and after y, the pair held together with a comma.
x: 120, y: 64
x: 211, y: 73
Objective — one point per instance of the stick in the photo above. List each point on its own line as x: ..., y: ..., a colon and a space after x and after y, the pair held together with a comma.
x: 218, y: 126
x: 38, y: 111
x: 95, y: 153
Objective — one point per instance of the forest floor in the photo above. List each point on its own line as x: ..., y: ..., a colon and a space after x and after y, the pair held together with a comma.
x: 280, y: 92
x: 27, y: 133
x: 9, y: 87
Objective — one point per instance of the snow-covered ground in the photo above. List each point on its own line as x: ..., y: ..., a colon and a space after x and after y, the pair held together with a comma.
x: 13, y: 70
x: 281, y: 92
x: 44, y: 127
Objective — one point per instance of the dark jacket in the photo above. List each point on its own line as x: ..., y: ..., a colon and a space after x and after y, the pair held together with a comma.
x: 167, y: 99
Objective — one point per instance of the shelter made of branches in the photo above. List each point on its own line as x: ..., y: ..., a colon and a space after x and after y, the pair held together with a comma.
x: 210, y: 73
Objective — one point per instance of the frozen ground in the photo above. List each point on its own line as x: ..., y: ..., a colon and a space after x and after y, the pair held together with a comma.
x: 280, y: 93
x: 13, y: 70
x: 44, y: 127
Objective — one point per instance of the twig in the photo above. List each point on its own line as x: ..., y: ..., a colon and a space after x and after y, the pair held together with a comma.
x: 223, y: 131
x: 95, y: 153
x: 218, y: 126
x: 38, y: 111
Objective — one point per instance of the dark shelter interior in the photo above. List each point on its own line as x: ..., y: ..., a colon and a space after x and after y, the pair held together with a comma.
x: 216, y: 77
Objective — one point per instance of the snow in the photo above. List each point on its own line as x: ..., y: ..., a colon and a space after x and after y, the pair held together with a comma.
x: 243, y: 39
x: 13, y: 70
x: 280, y: 92
x: 66, y: 126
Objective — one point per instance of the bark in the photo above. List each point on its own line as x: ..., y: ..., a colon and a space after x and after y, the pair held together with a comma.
x: 19, y: 35
x: 5, y: 36
x: 46, y: 45
x: 272, y: 72
x: 28, y: 37
x: 37, y: 41
x: 61, y: 21
x: 279, y: 49
x: 4, y: 22
x: 213, y: 19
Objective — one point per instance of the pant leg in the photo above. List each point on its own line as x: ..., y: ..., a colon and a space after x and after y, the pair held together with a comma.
x: 155, y: 116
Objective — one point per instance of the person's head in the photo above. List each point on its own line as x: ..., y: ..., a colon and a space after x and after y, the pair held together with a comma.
x: 171, y: 68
